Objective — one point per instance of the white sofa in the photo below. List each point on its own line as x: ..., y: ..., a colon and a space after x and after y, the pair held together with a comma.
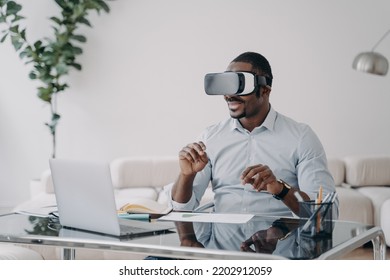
x: 363, y: 186
x: 364, y: 189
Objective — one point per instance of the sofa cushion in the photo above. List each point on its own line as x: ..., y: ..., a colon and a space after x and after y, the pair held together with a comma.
x: 133, y: 172
x: 127, y: 195
x: 385, y: 221
x: 367, y: 170
x: 354, y: 206
x: 378, y: 195
x: 336, y: 167
x: 47, y: 181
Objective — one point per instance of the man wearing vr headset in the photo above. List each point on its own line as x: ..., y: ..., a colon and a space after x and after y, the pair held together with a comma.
x: 258, y: 160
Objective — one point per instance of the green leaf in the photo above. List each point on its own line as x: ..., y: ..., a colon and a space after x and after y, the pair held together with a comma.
x: 13, y: 8
x: 55, y: 117
x: 47, y: 79
x: 76, y: 65
x: 56, y: 20
x: 29, y: 52
x: 79, y: 38
x: 61, y: 3
x: 54, y: 122
x: 103, y: 6
x: 14, y: 28
x: 61, y: 87
x: 16, y: 42
x: 61, y: 69
x: 45, y: 94
x: 29, y: 61
x: 23, y: 54
x: 37, y: 44
x: 23, y: 34
x: 48, y: 58
x: 84, y: 21
x: 77, y: 50
x: 3, y: 38
x: 32, y: 75
x: 17, y: 18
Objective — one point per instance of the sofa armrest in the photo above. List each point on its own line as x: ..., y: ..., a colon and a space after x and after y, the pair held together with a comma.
x: 136, y: 172
x: 47, y: 181
x: 367, y: 170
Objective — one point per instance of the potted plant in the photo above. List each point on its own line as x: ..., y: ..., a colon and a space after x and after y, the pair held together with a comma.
x: 52, y: 57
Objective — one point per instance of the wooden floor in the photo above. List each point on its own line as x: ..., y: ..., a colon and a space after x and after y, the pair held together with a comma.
x: 364, y: 253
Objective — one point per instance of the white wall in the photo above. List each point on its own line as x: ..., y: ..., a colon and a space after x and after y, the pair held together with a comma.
x: 140, y: 92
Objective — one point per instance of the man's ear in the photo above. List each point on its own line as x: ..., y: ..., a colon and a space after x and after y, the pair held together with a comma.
x: 267, y: 90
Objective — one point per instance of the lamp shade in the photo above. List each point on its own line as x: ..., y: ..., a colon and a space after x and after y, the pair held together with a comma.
x: 371, y: 62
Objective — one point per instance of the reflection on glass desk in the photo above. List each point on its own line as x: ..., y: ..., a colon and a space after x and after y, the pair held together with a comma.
x: 263, y: 237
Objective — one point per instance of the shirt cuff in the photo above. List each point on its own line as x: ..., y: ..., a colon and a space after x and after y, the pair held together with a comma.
x: 188, y: 206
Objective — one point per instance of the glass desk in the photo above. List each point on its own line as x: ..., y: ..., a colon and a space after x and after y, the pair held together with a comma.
x: 263, y: 237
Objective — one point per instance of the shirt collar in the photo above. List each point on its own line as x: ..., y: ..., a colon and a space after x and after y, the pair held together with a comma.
x: 268, y: 123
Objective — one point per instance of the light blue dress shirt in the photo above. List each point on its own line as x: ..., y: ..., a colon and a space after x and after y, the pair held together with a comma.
x: 291, y: 150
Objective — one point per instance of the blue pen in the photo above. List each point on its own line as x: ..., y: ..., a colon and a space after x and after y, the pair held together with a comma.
x: 143, y: 217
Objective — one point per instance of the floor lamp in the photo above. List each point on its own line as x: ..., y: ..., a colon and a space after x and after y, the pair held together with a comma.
x: 372, y: 62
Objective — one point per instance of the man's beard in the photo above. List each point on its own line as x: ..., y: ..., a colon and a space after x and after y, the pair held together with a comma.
x: 238, y: 115
x: 242, y: 115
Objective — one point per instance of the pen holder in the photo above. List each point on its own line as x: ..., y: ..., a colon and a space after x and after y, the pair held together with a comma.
x: 310, y: 248
x: 316, y: 219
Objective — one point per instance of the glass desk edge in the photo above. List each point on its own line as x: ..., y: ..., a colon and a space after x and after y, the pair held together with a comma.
x: 374, y: 234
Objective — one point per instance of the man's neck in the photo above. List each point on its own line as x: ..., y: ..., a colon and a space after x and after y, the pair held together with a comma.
x: 251, y: 123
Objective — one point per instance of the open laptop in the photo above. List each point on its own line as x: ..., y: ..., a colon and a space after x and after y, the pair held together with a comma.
x: 85, y: 200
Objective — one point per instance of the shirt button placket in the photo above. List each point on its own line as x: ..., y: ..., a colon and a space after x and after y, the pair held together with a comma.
x: 248, y: 188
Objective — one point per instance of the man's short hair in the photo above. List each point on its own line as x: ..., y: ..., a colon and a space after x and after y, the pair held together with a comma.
x: 258, y: 62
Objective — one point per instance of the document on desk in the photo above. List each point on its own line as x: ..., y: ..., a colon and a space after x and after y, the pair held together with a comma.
x: 227, y: 218
x: 42, y: 212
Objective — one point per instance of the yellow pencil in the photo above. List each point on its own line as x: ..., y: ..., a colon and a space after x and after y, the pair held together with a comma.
x: 319, y: 197
x: 319, y: 201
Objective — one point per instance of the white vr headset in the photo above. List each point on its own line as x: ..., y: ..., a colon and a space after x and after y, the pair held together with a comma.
x: 233, y: 83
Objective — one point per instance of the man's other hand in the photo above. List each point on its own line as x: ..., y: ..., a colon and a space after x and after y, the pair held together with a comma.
x: 193, y: 158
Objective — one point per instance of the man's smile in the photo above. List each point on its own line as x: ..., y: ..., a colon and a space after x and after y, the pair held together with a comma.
x: 233, y: 102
